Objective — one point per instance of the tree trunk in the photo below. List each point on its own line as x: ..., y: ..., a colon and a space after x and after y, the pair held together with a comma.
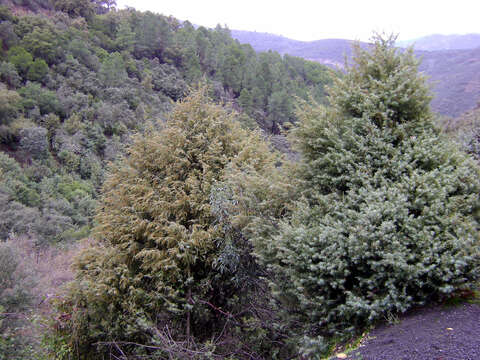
x: 189, y: 298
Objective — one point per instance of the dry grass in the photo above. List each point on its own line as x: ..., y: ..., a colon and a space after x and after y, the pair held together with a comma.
x: 50, y: 266
x: 50, y: 269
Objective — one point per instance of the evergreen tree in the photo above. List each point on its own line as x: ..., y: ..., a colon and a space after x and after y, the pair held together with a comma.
x: 388, y: 216
x: 112, y: 72
x: 38, y: 70
x: 160, y: 250
x: 125, y: 37
x: 74, y: 8
x: 9, y: 105
x: 21, y: 58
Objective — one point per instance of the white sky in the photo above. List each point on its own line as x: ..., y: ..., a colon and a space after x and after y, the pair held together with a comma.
x: 321, y: 19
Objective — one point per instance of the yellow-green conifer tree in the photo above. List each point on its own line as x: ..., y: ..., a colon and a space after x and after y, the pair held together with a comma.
x: 159, y: 245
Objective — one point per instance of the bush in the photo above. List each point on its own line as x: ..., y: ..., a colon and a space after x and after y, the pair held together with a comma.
x: 21, y: 58
x: 9, y: 74
x: 9, y: 105
x: 15, y: 282
x: 389, y: 212
x: 156, y: 261
x: 82, y: 8
x: 35, y: 96
x: 16, y: 218
x: 8, y: 135
x: 38, y: 70
x: 44, y: 42
x: 465, y: 130
x: 34, y: 141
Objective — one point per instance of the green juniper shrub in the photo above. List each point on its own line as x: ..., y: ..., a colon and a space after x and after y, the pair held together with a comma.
x: 45, y: 42
x: 389, y: 211
x: 33, y: 95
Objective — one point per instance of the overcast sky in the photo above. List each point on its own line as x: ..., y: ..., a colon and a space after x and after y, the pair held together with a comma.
x: 321, y: 19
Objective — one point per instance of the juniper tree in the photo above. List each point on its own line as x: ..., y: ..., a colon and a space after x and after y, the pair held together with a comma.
x: 388, y: 216
x: 160, y: 249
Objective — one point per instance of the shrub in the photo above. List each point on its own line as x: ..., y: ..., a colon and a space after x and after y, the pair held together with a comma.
x: 389, y: 212
x: 38, y: 70
x: 155, y: 263
x: 82, y: 8
x: 112, y: 72
x: 16, y: 218
x: 465, y: 130
x: 9, y: 105
x: 69, y: 160
x: 34, y: 141
x: 36, y: 96
x: 44, y: 42
x: 21, y: 58
x: 8, y: 135
x: 15, y: 282
x: 9, y: 74
x: 6, y: 14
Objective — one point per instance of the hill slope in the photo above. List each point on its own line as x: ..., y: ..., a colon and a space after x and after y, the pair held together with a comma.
x: 455, y: 79
x: 73, y: 89
x: 443, y: 42
x: 454, y: 74
x: 328, y: 51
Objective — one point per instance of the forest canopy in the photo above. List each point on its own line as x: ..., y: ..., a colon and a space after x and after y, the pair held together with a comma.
x: 74, y: 88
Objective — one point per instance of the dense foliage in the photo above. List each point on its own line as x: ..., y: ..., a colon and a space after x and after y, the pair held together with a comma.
x: 388, y: 210
x: 164, y: 258
x: 76, y: 84
x: 207, y: 242
x: 78, y: 78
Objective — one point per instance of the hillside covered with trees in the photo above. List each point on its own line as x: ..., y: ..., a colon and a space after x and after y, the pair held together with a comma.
x: 453, y: 71
x: 77, y: 83
x: 237, y: 205
x: 79, y: 78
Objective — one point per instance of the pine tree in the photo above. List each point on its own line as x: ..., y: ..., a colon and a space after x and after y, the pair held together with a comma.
x: 389, y: 212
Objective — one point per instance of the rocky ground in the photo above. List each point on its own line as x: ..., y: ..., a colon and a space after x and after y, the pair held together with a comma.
x: 436, y: 333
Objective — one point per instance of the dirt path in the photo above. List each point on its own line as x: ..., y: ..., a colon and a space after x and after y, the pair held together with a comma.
x: 437, y: 333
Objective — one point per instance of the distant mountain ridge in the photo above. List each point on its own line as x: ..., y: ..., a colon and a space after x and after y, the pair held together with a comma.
x: 454, y: 74
x: 328, y: 51
x: 437, y: 42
